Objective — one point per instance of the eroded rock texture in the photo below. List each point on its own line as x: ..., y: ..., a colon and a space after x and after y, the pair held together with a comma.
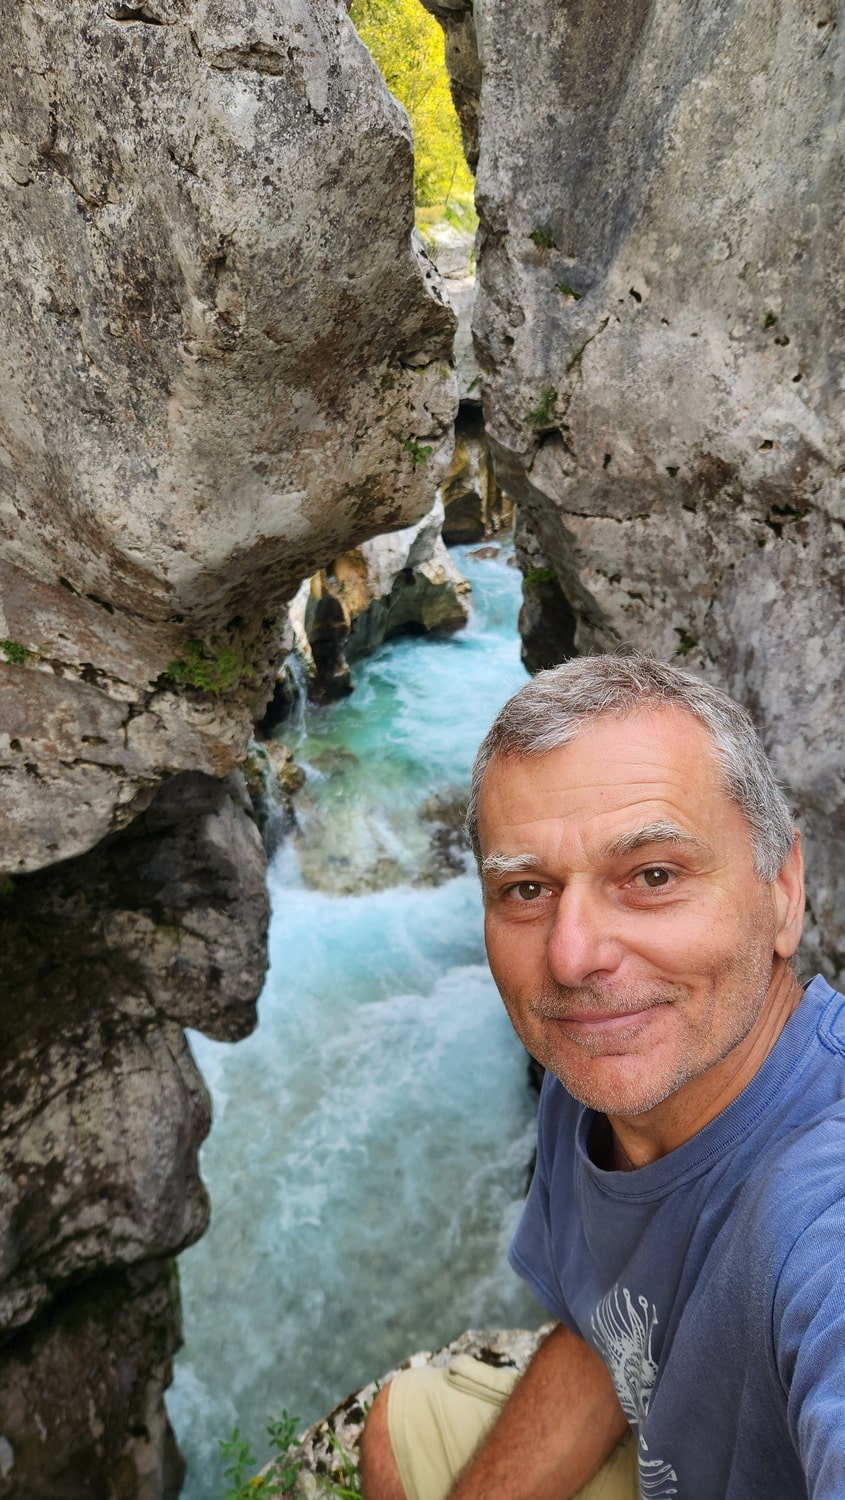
x: 219, y: 351
x: 660, y: 322
x: 105, y: 959
x: 392, y: 585
x: 221, y: 357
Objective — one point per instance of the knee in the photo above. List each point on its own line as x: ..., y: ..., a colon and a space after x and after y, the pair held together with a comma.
x: 379, y: 1474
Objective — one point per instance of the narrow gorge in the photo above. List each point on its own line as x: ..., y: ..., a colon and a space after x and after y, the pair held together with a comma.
x: 228, y: 362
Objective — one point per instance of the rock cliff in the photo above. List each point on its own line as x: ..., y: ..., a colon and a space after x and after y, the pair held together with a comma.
x: 222, y: 360
x: 222, y: 354
x: 660, y: 325
x: 391, y: 585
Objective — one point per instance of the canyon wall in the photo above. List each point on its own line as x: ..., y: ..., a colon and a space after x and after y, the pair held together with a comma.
x: 661, y: 325
x: 224, y: 362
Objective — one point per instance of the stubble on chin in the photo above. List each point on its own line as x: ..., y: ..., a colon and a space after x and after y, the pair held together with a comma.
x: 595, y: 1072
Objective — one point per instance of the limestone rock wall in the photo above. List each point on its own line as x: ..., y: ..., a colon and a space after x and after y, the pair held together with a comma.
x: 222, y: 355
x: 105, y: 959
x: 660, y: 323
x: 220, y: 348
x: 388, y: 586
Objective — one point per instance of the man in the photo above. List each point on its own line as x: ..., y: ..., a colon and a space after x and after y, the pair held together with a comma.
x: 643, y: 894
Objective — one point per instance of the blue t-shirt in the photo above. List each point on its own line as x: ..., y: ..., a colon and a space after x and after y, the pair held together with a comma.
x: 712, y: 1282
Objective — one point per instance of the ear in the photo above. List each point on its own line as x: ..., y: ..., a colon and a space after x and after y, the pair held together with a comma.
x: 788, y: 888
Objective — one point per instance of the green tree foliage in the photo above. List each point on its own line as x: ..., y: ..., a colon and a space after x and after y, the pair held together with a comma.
x: 407, y: 44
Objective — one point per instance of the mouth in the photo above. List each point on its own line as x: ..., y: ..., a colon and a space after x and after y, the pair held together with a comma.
x: 589, y: 1026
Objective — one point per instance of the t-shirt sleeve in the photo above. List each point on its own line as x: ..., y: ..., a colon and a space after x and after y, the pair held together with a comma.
x: 809, y: 1337
x: 531, y: 1254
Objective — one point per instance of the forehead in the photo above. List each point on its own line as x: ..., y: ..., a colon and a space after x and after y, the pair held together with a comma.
x: 620, y: 772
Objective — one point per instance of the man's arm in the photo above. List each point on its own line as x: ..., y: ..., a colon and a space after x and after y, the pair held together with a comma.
x: 555, y: 1431
x: 809, y: 1339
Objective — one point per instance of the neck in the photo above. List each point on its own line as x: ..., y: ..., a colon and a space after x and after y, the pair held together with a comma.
x: 638, y: 1140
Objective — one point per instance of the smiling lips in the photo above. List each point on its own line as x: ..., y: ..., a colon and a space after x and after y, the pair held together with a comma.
x: 609, y: 1022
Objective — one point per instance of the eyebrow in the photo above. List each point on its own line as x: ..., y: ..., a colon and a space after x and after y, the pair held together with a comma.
x: 661, y: 832
x: 507, y: 864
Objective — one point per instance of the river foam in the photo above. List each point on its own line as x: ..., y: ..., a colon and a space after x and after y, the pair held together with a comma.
x: 370, y: 1144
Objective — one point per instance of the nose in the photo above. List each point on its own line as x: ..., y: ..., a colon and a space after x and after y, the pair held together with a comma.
x: 584, y: 943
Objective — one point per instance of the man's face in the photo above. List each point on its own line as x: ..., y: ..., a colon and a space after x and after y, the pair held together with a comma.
x: 630, y: 937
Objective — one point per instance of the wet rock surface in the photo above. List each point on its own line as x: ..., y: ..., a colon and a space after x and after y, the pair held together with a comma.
x: 475, y: 505
x: 397, y: 584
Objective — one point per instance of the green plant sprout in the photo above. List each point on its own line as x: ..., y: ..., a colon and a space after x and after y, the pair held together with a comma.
x: 542, y: 415
x: 350, y: 1485
x: 420, y: 452
x: 239, y: 1463
x: 14, y: 652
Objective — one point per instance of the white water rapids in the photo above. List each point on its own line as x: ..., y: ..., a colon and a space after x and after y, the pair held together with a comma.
x: 371, y: 1139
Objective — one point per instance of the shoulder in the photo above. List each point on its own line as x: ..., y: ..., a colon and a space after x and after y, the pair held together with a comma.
x: 799, y: 1185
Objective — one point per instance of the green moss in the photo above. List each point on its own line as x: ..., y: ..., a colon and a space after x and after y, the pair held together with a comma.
x: 568, y: 291
x: 15, y: 652
x: 770, y: 320
x: 542, y: 239
x: 214, y: 666
x: 7, y: 887
x: 543, y: 413
x: 686, y: 642
x: 534, y: 577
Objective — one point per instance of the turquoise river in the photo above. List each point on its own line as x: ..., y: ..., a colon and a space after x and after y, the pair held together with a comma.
x: 371, y: 1138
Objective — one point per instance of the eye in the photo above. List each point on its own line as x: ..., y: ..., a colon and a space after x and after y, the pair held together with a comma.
x: 655, y: 877
x: 526, y: 890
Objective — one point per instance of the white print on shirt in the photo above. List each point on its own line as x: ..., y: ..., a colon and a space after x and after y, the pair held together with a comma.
x: 623, y: 1337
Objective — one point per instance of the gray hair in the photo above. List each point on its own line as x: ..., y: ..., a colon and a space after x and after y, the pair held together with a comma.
x: 559, y: 704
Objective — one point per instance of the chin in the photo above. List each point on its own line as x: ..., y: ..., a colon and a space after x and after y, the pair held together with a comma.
x: 610, y: 1092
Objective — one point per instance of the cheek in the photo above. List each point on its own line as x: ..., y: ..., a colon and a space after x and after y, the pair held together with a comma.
x: 694, y: 940
x: 513, y: 954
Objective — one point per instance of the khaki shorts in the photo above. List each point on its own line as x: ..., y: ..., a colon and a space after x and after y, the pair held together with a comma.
x: 437, y: 1418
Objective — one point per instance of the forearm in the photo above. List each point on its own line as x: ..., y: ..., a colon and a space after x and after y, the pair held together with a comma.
x: 554, y: 1433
